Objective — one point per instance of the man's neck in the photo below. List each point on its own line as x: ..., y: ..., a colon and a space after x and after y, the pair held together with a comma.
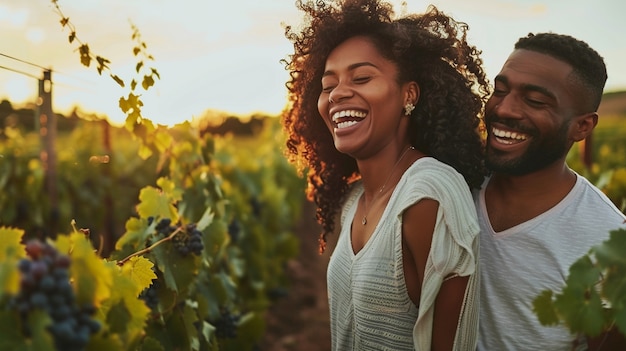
x: 514, y: 199
x: 550, y: 180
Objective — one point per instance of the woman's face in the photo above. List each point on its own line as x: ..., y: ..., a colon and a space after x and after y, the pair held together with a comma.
x: 361, y: 101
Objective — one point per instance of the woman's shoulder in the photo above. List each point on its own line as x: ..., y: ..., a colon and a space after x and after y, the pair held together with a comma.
x: 433, y: 179
x: 429, y: 171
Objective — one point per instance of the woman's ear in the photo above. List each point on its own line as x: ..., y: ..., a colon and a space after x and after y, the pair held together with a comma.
x: 583, y: 125
x: 412, y: 93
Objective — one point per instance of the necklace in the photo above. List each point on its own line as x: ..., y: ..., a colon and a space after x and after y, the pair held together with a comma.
x: 364, y: 220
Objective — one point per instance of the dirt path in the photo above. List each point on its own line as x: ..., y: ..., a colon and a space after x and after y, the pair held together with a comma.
x: 299, y: 321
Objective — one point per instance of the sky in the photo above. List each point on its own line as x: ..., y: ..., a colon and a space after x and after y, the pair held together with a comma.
x: 225, y: 55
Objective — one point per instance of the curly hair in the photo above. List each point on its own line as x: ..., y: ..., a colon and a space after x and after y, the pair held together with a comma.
x: 588, y: 66
x: 430, y: 49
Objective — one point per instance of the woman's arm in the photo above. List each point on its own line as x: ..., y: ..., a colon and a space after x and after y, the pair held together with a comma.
x: 418, y: 224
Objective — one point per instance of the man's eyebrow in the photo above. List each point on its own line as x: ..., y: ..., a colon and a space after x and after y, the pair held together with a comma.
x: 528, y: 87
x: 352, y: 67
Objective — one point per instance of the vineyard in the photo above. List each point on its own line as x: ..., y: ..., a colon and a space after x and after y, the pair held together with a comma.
x: 204, y: 238
x: 145, y: 237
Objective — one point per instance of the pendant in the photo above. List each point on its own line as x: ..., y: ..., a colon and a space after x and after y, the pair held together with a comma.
x: 364, y: 220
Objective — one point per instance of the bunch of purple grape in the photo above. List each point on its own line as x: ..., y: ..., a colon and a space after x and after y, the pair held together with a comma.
x: 150, y: 295
x: 193, y: 241
x: 227, y: 324
x: 45, y: 286
x: 186, y: 241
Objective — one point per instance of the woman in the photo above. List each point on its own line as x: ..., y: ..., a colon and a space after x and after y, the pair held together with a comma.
x: 384, y: 114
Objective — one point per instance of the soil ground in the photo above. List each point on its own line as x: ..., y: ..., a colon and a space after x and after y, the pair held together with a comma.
x: 300, y: 320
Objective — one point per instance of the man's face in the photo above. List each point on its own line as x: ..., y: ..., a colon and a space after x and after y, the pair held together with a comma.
x: 528, y: 116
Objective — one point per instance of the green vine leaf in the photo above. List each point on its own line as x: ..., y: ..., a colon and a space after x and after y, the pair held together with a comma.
x: 162, y: 140
x: 10, y: 245
x: 156, y: 203
x: 102, y: 64
x: 582, y: 309
x: 147, y: 82
x: 190, y: 318
x: 118, y: 80
x: 205, y: 220
x: 41, y: 338
x: 136, y: 234
x: 169, y: 188
x: 144, y: 152
x: 92, y: 280
x: 584, y: 274
x: 11, y: 251
x: 579, y: 303
x: 178, y: 272
x: 612, y: 251
x: 544, y: 308
x: 10, y: 336
x: 85, y: 57
x: 118, y: 318
x: 123, y: 311
x: 140, y: 271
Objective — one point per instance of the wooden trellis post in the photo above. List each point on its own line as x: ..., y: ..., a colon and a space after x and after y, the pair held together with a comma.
x: 48, y: 132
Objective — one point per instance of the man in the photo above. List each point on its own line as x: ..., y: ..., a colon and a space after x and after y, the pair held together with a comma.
x: 537, y: 216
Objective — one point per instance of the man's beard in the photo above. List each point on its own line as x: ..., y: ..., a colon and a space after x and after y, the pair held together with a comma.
x: 539, y: 154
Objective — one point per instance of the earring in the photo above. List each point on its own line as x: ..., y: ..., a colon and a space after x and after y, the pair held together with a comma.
x: 408, y: 108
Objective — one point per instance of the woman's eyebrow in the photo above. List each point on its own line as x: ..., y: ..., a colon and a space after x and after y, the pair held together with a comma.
x: 351, y: 67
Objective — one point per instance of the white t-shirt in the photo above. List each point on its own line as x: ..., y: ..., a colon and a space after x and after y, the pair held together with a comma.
x: 370, y: 308
x: 517, y: 264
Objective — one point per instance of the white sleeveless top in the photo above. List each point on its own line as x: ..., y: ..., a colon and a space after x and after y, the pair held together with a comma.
x: 370, y: 308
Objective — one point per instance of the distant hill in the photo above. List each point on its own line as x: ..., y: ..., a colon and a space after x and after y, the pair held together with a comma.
x: 613, y: 104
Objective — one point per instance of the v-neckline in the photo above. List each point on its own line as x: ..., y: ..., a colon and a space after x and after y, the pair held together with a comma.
x: 355, y: 205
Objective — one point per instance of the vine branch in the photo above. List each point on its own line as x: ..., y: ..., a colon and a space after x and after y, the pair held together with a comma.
x: 149, y: 248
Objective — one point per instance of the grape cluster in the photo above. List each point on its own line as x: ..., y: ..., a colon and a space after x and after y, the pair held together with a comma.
x: 189, y: 241
x: 45, y: 285
x: 150, y: 296
x: 164, y: 226
x: 234, y: 229
x: 226, y: 326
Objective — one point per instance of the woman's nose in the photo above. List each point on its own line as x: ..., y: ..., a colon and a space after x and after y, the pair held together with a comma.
x: 340, y: 92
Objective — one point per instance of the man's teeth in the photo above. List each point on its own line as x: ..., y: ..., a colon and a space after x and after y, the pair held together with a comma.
x: 508, y: 135
x: 349, y: 114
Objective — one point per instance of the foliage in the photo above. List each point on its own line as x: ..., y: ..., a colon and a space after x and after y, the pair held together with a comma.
x: 594, y: 297
x: 241, y: 195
